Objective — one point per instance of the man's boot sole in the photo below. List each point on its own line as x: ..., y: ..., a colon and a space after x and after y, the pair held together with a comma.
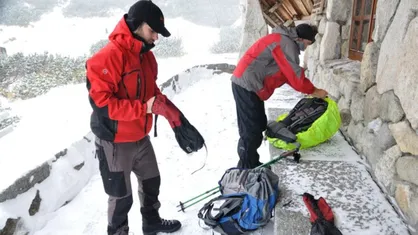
x: 163, y: 231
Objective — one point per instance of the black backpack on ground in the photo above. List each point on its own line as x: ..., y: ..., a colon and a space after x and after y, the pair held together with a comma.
x: 299, y: 119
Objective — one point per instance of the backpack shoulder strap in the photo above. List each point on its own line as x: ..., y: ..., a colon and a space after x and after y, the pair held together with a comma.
x: 232, y: 202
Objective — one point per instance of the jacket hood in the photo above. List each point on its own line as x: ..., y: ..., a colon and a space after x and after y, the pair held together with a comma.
x: 123, y: 37
x: 286, y: 31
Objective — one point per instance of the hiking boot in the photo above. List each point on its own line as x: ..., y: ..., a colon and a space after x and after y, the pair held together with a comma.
x: 164, y: 226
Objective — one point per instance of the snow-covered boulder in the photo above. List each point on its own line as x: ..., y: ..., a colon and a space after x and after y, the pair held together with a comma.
x: 26, y: 203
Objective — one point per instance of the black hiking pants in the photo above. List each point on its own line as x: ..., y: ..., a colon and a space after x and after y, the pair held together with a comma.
x: 252, y: 121
x: 116, y: 162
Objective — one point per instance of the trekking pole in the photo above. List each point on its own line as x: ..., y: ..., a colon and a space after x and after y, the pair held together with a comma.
x: 215, y: 190
x: 183, y: 207
x: 200, y: 195
x: 194, y: 203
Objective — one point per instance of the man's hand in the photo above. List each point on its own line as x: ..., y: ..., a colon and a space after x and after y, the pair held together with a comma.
x: 319, y: 93
x: 150, y: 103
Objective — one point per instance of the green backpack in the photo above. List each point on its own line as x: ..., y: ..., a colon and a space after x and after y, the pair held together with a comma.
x: 311, y: 122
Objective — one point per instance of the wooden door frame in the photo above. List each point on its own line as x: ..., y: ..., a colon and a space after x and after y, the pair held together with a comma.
x: 357, y: 54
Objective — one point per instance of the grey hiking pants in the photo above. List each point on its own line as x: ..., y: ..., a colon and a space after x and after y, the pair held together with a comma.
x: 116, y: 162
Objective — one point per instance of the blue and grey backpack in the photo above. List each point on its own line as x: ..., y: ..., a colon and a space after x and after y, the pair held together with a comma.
x: 246, y: 204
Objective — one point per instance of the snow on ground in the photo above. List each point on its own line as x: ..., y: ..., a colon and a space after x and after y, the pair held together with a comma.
x: 49, y: 124
x: 74, y: 36
x: 53, y: 121
x: 56, y: 120
x: 214, y: 116
x: 198, y: 102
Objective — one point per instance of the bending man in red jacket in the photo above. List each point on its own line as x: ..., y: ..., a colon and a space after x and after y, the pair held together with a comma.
x: 269, y: 63
x: 121, y: 80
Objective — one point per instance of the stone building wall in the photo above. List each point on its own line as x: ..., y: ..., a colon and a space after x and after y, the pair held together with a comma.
x: 254, y: 25
x: 377, y: 97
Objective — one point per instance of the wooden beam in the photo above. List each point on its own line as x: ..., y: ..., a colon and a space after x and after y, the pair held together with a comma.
x: 285, y: 13
x: 278, y: 16
x: 273, y: 8
x: 270, y: 20
x: 308, y: 4
x: 301, y: 7
x: 290, y: 7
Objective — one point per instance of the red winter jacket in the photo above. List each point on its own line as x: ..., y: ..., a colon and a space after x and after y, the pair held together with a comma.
x: 120, y: 80
x: 270, y: 62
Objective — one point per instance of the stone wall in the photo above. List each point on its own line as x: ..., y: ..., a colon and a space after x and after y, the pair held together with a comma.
x: 333, y: 34
x: 378, y: 96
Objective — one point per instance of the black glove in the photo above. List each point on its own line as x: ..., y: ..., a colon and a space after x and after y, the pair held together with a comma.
x: 187, y: 136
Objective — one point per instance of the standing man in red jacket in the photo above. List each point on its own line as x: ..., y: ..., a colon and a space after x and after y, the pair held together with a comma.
x: 121, y: 80
x: 269, y: 63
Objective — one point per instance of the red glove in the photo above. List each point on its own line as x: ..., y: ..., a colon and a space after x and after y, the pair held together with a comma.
x: 164, y: 107
x: 321, y: 216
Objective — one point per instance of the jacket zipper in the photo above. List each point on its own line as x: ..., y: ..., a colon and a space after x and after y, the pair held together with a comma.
x: 143, y: 96
x: 138, y: 78
x: 155, y: 119
x: 123, y: 81
x: 114, y: 155
x: 126, y: 90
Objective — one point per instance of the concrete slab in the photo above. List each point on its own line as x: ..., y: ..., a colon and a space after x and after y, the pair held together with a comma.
x: 334, y: 171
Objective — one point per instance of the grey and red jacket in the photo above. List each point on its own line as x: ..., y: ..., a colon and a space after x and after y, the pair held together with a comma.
x: 270, y: 62
x: 120, y: 80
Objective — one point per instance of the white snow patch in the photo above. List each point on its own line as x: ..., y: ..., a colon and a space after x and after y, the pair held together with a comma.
x: 375, y: 125
x: 49, y: 124
x: 31, y: 179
